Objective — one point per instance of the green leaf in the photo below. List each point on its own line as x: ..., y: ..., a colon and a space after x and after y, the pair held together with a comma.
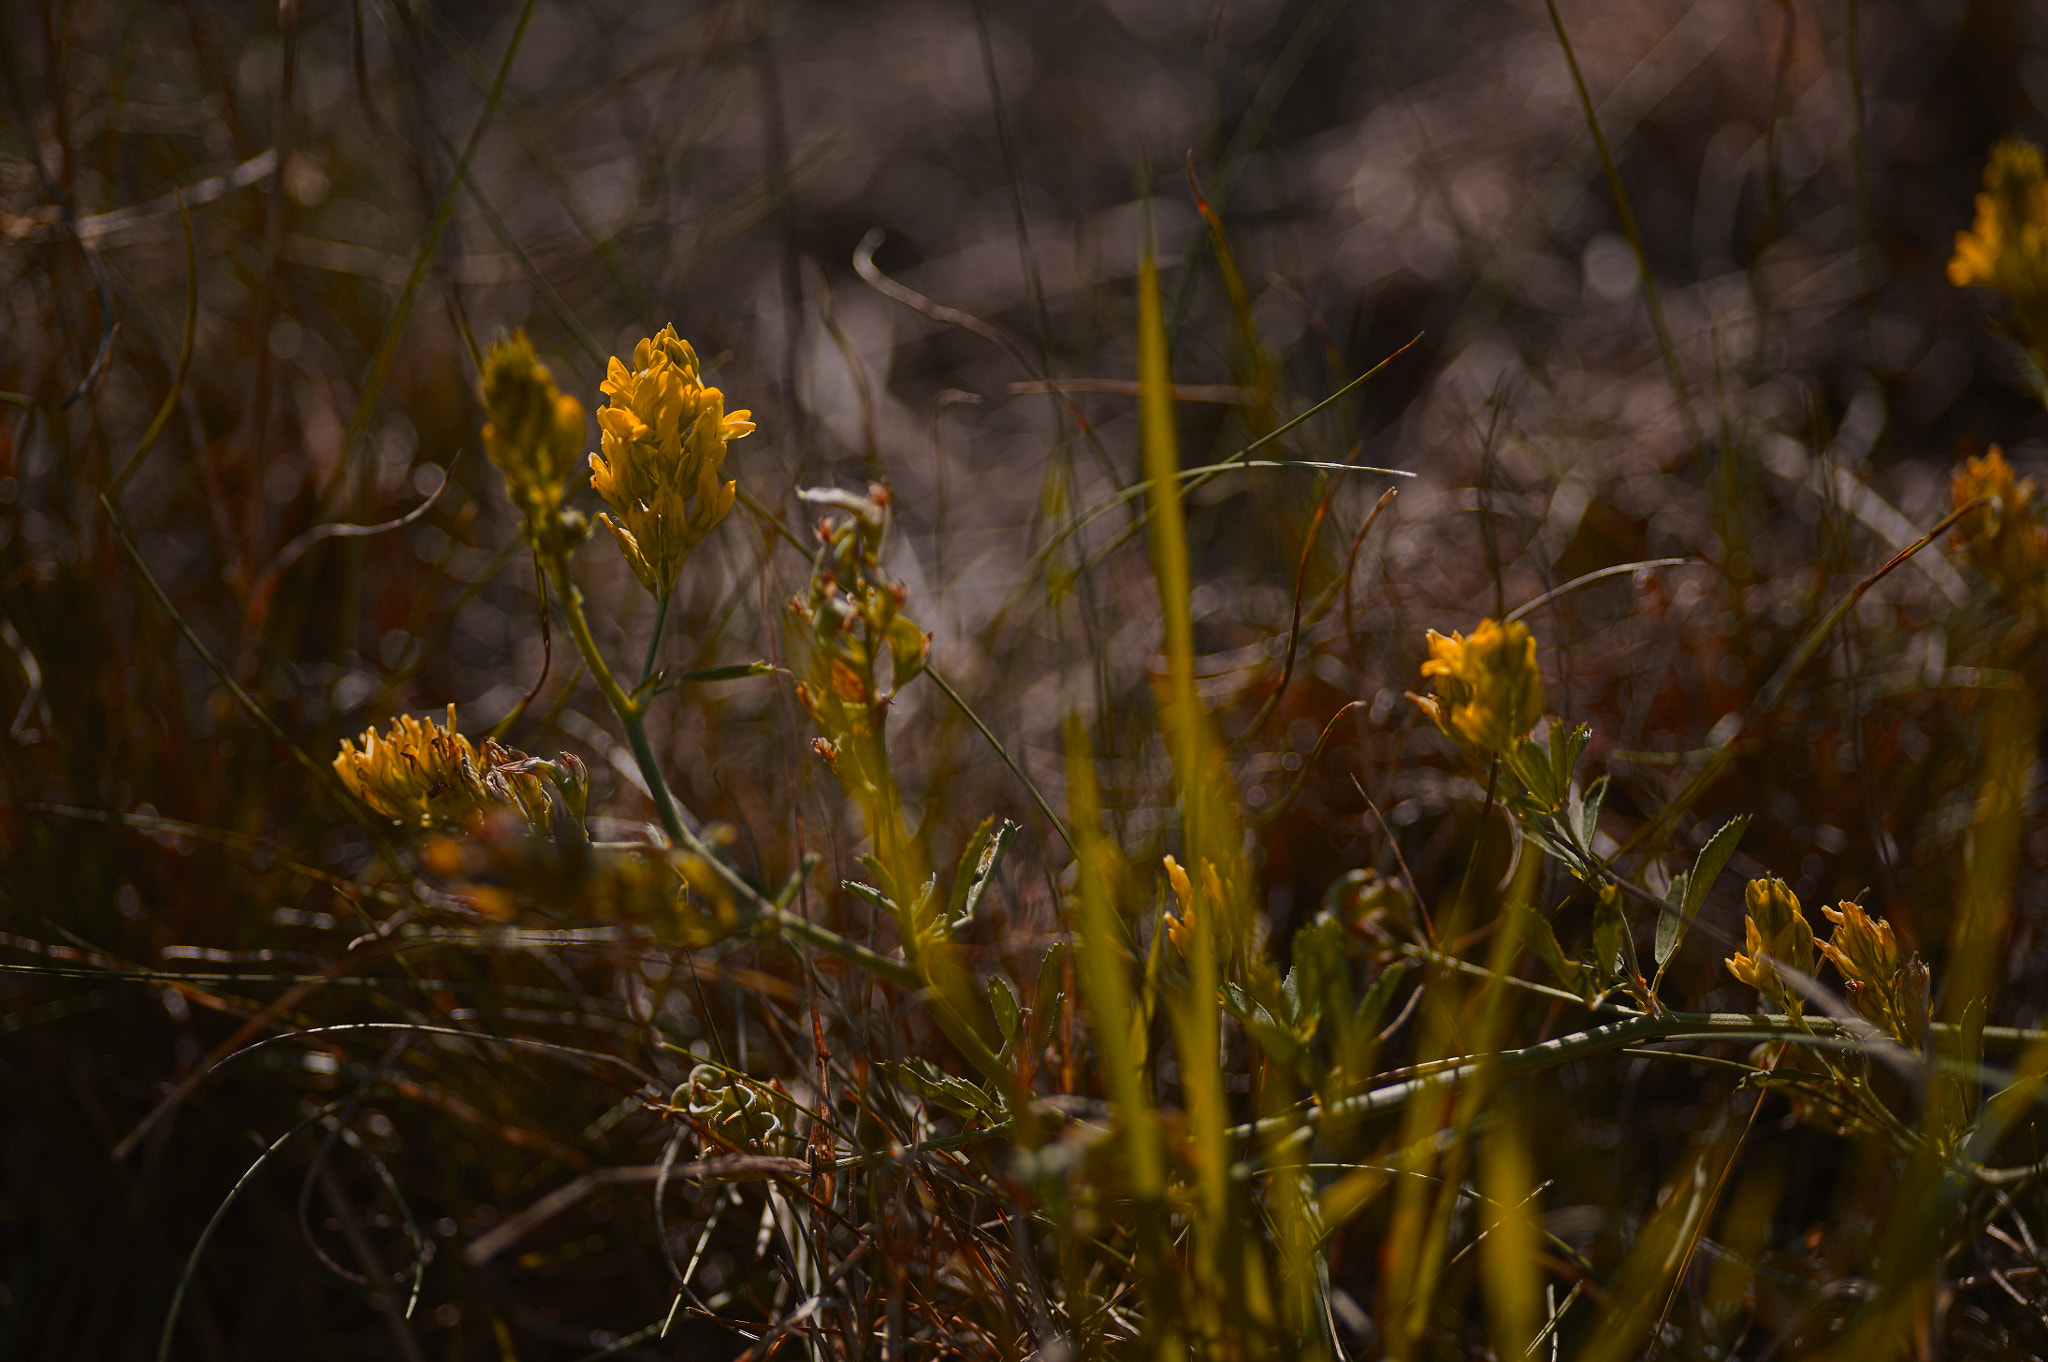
x: 885, y: 883
x: 909, y: 646
x: 1609, y: 926
x: 1002, y: 1000
x: 988, y: 858
x: 1290, y: 994
x: 1671, y: 919
x: 736, y: 672
x: 963, y: 874
x: 1325, y: 968
x: 1047, y: 995
x: 1557, y: 850
x: 1712, y: 861
x: 1566, y: 747
x: 944, y: 1091
x: 1589, y: 812
x: 1532, y: 764
x: 868, y: 894
x: 1689, y: 890
x: 1569, y: 972
x: 1382, y: 991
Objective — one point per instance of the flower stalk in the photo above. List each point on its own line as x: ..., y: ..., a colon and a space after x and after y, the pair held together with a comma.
x: 528, y: 430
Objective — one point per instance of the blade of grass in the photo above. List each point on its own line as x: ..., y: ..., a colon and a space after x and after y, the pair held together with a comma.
x: 386, y: 351
x: 1660, y: 824
x: 1634, y: 233
x: 170, y: 403
x: 1105, y: 981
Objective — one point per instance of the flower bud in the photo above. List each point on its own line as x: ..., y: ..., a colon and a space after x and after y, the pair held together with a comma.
x: 535, y: 431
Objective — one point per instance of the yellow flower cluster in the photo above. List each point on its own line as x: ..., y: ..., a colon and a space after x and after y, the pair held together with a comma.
x: 425, y: 776
x: 664, y: 438
x: 1890, y: 994
x: 2006, y: 247
x: 1775, y: 932
x: 2001, y: 538
x: 535, y: 431
x: 1489, y: 692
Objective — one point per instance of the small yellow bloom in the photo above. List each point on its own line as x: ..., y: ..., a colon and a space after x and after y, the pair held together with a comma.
x: 1876, y: 985
x: 1180, y: 929
x: 2001, y: 538
x: 425, y: 776
x: 535, y: 432
x: 1489, y: 692
x: 1774, y: 932
x: 1863, y: 947
x: 663, y: 440
x: 1178, y: 926
x: 2006, y: 248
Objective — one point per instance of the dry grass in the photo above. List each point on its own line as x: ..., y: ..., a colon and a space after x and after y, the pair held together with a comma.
x: 570, y: 1114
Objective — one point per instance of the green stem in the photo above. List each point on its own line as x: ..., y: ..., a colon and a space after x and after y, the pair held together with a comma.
x: 1003, y: 752
x: 763, y: 911
x: 654, y: 639
x: 1549, y: 1054
x: 794, y: 928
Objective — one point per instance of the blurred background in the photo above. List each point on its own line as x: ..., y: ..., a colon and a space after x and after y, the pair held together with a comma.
x: 904, y: 234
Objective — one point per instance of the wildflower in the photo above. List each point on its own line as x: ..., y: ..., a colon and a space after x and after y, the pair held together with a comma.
x: 2001, y: 538
x: 2006, y: 247
x: 663, y: 439
x: 426, y: 776
x: 1180, y: 929
x: 1775, y: 932
x: 1489, y: 693
x: 1890, y: 995
x: 852, y: 614
x: 535, y: 432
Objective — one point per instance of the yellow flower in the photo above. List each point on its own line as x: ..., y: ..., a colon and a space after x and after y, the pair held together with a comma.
x: 1876, y: 985
x: 426, y: 776
x: 1489, y: 693
x: 1863, y: 947
x: 2001, y: 538
x: 663, y: 439
x: 2006, y: 247
x: 1177, y: 927
x: 1180, y: 929
x: 1774, y: 932
x: 535, y: 432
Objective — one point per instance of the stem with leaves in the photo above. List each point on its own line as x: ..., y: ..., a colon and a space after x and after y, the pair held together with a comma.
x: 764, y: 915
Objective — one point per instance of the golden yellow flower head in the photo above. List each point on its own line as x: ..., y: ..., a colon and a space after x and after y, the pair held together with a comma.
x: 2006, y: 247
x: 535, y: 432
x: 1862, y: 947
x: 1881, y: 990
x: 663, y: 440
x: 425, y: 776
x: 1489, y: 692
x: 1774, y: 927
x: 2001, y: 538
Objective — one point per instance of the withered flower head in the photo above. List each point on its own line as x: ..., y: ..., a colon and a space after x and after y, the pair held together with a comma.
x: 425, y: 776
